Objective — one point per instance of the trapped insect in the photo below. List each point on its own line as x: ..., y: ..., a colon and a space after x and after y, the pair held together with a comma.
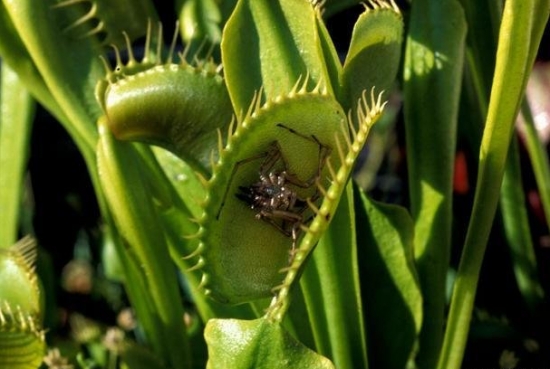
x: 275, y: 195
x: 267, y: 193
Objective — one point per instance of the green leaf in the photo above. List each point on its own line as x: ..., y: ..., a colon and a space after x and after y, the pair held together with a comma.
x: 330, y: 285
x: 242, y: 256
x: 179, y: 107
x: 183, y: 179
x: 69, y: 65
x: 374, y: 53
x: 330, y: 55
x: 271, y: 44
x: 519, y: 37
x: 200, y: 20
x: 518, y: 233
x: 124, y: 185
x: 14, y: 53
x: 257, y: 344
x: 433, y: 67
x: 390, y: 288
x: 136, y: 286
x: 16, y: 115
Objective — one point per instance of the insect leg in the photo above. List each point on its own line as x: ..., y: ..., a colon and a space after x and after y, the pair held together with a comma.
x: 235, y: 168
x: 271, y: 156
x: 294, y: 219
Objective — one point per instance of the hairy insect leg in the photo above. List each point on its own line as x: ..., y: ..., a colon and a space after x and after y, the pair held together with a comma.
x: 271, y: 156
x: 294, y: 219
x: 284, y: 215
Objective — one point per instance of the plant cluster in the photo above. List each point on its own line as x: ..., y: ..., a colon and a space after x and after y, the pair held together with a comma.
x: 226, y: 167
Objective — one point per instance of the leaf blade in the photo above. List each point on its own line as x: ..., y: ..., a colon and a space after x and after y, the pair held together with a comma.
x: 391, y: 292
x: 271, y: 45
x: 257, y: 344
x: 433, y: 67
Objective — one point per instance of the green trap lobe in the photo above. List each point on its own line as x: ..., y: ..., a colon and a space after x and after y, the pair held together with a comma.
x: 177, y: 107
x: 243, y: 256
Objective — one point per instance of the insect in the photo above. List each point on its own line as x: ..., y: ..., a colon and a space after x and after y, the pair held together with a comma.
x: 276, y: 196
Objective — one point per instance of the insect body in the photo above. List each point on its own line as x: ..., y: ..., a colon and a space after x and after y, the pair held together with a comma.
x: 275, y: 195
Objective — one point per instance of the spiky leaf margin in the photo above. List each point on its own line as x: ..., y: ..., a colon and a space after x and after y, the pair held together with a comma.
x: 368, y: 112
x: 337, y: 170
x: 22, y: 342
x: 178, y: 107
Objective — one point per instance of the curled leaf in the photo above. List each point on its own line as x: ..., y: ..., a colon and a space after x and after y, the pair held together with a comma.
x: 374, y: 53
x: 241, y: 255
x: 176, y: 106
x: 274, y: 191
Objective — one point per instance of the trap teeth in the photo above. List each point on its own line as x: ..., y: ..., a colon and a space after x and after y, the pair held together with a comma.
x: 267, y: 194
x: 197, y: 266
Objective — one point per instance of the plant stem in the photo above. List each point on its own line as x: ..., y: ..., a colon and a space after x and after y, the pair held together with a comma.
x: 16, y: 115
x: 517, y: 39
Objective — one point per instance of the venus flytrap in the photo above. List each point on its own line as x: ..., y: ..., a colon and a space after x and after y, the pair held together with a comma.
x: 230, y: 235
x: 187, y: 127
x: 22, y: 341
x: 375, y: 40
x: 170, y: 113
x: 233, y: 251
x: 294, y: 111
x: 347, y: 150
x: 249, y: 194
x: 330, y: 195
x: 233, y: 269
x: 102, y: 20
x: 309, y: 110
x: 223, y: 335
x: 306, y: 46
